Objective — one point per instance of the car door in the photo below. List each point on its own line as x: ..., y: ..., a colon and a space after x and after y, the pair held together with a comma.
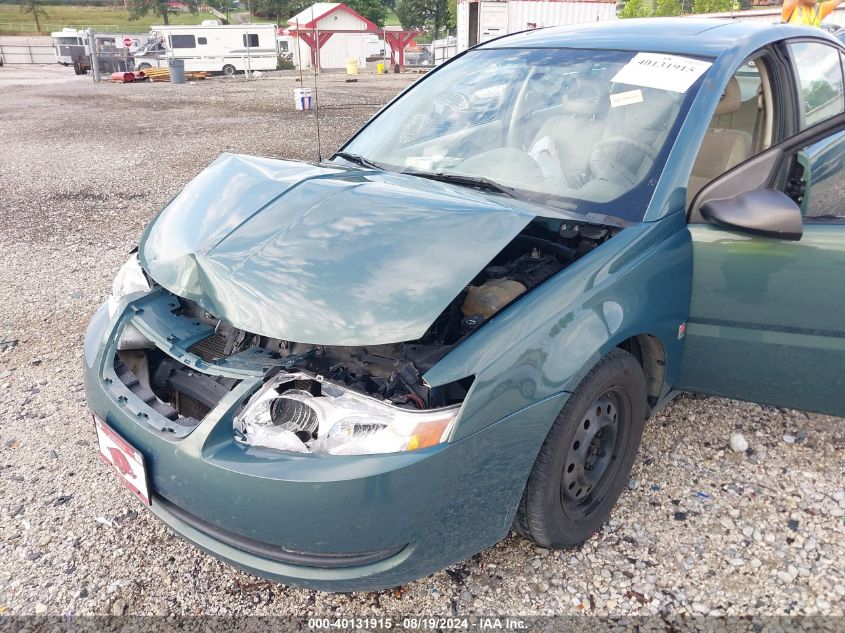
x: 767, y: 315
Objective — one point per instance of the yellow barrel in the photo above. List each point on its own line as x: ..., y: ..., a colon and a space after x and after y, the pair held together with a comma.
x: 351, y: 66
x: 380, y: 68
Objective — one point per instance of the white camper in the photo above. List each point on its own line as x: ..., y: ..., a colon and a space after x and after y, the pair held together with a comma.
x: 69, y: 44
x: 212, y: 48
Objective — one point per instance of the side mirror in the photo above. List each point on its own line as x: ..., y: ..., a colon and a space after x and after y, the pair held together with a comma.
x: 765, y: 212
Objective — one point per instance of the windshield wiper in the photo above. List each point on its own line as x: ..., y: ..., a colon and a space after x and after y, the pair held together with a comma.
x: 358, y: 160
x: 476, y: 182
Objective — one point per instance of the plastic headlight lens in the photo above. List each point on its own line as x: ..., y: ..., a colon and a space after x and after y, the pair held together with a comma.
x: 329, y: 418
x: 130, y: 278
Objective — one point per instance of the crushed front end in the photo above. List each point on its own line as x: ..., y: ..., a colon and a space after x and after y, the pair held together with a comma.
x: 267, y: 363
x: 311, y: 518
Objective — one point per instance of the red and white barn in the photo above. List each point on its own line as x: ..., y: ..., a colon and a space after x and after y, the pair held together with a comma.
x: 327, y: 34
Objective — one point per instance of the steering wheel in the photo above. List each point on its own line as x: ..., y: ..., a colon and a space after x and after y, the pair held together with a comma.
x: 619, y: 159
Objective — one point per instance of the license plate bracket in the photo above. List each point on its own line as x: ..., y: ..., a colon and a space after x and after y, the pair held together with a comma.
x: 124, y: 459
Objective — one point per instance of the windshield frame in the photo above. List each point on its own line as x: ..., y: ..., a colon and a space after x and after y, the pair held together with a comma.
x: 620, y: 207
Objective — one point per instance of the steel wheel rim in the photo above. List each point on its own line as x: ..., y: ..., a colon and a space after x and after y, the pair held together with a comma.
x: 591, y: 453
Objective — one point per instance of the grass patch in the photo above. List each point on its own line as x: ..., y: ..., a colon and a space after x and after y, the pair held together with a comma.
x: 13, y: 20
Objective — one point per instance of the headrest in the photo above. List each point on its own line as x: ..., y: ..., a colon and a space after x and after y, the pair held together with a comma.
x: 731, y: 99
x: 587, y: 96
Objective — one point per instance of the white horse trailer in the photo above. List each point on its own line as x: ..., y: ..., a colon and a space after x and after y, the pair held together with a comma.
x: 212, y: 48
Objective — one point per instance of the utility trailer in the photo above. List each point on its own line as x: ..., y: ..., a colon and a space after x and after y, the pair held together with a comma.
x: 72, y: 49
x: 212, y: 48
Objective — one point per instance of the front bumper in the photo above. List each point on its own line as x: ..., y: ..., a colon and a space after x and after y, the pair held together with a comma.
x: 339, y: 523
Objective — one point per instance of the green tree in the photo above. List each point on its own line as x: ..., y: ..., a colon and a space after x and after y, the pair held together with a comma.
x: 452, y: 22
x: 712, y: 6
x: 666, y: 8
x: 819, y: 93
x: 373, y: 10
x: 140, y: 8
x: 636, y: 9
x: 36, y: 8
x: 429, y: 15
x: 279, y: 10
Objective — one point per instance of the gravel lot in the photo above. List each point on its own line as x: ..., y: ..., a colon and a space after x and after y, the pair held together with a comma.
x: 701, y: 529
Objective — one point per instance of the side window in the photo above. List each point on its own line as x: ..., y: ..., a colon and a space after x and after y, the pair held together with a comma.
x: 823, y: 166
x: 819, y: 71
x: 202, y: 41
x: 251, y: 40
x: 740, y: 128
x: 182, y: 41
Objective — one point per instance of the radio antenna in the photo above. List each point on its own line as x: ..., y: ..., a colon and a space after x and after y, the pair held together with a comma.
x: 299, y: 53
x: 316, y: 99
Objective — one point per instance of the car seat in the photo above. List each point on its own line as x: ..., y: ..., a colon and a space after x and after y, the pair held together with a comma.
x: 563, y: 143
x: 721, y: 148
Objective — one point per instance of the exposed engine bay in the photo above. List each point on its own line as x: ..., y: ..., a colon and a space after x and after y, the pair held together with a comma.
x: 391, y: 373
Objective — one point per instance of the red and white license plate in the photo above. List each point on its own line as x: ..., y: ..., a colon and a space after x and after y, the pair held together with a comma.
x: 126, y: 460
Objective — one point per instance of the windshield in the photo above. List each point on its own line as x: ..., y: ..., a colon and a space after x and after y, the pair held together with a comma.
x: 550, y: 125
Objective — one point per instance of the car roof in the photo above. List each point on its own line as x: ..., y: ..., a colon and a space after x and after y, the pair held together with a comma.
x: 702, y: 37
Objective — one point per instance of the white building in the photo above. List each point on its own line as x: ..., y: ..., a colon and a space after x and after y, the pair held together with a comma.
x: 329, y: 33
x: 482, y: 20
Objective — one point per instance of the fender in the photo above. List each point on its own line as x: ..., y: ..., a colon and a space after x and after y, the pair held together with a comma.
x: 639, y: 282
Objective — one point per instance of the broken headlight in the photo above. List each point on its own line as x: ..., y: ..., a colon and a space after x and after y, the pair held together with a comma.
x: 294, y: 412
x: 130, y: 278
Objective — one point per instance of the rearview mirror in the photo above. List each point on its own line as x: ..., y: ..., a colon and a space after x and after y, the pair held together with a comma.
x: 765, y: 212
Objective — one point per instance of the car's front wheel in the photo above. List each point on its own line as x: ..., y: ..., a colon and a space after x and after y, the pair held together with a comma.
x: 585, y: 460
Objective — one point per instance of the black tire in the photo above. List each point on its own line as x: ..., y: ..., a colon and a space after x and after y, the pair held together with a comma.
x: 144, y: 66
x: 229, y: 70
x: 587, y: 456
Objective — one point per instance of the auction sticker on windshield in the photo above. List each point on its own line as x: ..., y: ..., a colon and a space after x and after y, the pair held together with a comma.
x: 626, y: 98
x: 665, y: 72
x: 126, y: 460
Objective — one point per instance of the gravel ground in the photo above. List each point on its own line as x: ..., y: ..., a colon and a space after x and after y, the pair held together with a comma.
x: 701, y: 529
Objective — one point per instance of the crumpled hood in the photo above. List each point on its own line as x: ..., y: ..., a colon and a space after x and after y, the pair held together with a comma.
x: 324, y: 255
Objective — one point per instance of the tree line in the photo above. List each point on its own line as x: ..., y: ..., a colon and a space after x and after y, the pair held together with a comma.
x: 667, y: 8
x: 431, y: 16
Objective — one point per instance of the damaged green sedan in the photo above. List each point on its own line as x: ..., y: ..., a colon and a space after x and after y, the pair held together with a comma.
x: 350, y: 374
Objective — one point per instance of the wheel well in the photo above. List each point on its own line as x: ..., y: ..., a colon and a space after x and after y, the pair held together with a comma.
x: 648, y: 350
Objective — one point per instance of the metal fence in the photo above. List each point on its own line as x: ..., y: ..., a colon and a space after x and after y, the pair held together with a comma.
x: 444, y: 49
x: 27, y: 54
